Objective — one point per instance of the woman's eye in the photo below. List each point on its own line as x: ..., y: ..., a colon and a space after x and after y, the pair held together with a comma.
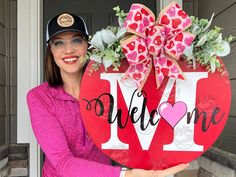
x: 77, y: 40
x: 58, y: 43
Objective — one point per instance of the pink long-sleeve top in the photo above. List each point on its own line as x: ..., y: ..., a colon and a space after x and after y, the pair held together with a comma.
x: 58, y: 127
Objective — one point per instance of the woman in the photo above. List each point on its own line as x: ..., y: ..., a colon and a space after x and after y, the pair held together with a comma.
x: 54, y: 109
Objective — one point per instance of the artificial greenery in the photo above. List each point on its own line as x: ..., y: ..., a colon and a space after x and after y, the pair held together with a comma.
x: 207, y: 46
x: 105, y: 44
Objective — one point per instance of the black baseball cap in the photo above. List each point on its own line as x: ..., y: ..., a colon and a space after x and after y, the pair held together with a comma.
x: 66, y: 22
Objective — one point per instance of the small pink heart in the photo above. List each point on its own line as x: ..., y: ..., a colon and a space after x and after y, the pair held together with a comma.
x: 134, y: 7
x: 132, y: 68
x: 141, y: 28
x: 172, y: 114
x: 167, y: 31
x: 139, y: 67
x: 171, y: 11
x: 180, y: 48
x: 188, y: 41
x: 186, y: 23
x: 162, y: 61
x: 148, y: 40
x: 129, y: 16
x: 146, y: 22
x: 132, y: 55
x: 174, y: 69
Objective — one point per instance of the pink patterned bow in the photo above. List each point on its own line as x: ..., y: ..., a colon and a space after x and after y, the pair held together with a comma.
x: 160, y: 42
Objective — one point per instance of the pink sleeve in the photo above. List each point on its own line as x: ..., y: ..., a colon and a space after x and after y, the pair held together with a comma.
x: 52, y: 140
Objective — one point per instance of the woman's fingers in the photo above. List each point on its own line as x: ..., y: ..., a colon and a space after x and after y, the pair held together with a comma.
x: 155, y: 173
x: 172, y: 170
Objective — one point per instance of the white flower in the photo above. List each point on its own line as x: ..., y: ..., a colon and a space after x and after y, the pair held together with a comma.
x: 96, y: 41
x: 108, y: 36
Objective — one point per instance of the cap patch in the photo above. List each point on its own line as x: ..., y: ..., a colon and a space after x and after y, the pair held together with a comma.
x: 65, y: 20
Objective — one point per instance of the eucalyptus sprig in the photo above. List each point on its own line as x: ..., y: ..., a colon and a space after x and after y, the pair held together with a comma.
x: 105, y: 44
x: 208, y: 44
x: 120, y: 14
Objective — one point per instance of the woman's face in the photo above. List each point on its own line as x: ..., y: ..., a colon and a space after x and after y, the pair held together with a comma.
x: 69, y: 51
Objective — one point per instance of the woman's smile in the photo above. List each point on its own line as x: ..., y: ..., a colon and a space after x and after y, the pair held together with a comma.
x: 70, y: 59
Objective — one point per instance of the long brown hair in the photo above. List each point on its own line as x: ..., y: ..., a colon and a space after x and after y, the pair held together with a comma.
x: 52, y: 71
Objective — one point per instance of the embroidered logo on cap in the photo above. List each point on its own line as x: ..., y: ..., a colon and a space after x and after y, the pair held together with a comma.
x: 65, y: 20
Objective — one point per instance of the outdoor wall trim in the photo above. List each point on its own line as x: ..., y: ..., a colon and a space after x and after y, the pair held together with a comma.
x: 29, y: 39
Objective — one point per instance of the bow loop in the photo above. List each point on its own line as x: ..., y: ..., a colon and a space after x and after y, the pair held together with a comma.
x: 139, y: 19
x: 174, y: 19
x: 176, y: 45
x: 161, y: 43
x: 135, y: 49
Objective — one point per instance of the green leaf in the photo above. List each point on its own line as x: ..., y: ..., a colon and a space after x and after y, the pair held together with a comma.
x: 230, y: 39
x: 219, y: 38
x: 209, y: 23
x: 121, y: 32
x: 189, y: 51
x: 225, y: 49
x: 195, y: 29
x: 202, y: 41
x: 213, y: 65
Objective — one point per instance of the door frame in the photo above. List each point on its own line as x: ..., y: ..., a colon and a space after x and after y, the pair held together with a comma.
x: 29, y: 72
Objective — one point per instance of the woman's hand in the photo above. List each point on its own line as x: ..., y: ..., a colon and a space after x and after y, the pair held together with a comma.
x: 155, y: 173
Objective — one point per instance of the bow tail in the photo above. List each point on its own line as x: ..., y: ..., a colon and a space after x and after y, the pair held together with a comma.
x: 159, y: 78
x: 137, y: 74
